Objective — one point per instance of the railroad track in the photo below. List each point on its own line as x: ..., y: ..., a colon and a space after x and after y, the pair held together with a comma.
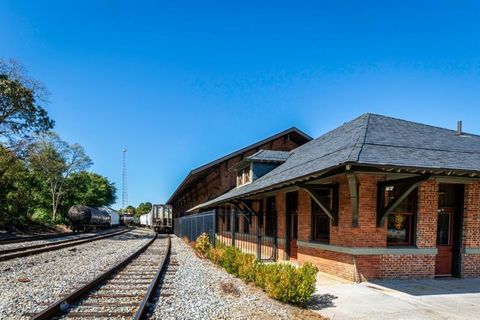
x: 122, y: 292
x: 24, y: 251
x: 35, y: 238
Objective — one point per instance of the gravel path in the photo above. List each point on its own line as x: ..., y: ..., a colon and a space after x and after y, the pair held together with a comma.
x: 30, y: 284
x: 192, y: 289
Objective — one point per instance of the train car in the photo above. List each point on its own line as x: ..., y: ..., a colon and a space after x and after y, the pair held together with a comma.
x: 162, y: 218
x: 114, y: 215
x: 127, y: 219
x: 86, y: 218
x: 146, y: 220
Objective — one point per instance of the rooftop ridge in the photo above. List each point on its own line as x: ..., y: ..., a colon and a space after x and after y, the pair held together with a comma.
x: 419, y: 123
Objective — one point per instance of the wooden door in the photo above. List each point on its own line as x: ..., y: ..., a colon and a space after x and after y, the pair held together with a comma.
x: 292, y: 224
x: 445, y: 229
x: 294, y: 236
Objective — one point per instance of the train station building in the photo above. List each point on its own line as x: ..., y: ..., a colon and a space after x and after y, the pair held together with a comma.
x: 376, y: 198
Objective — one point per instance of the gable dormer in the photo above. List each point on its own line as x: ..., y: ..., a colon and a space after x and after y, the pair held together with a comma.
x: 258, y: 165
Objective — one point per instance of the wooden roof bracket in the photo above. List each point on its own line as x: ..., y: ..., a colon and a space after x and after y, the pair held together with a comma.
x: 247, y: 206
x: 332, y: 214
x: 407, y: 186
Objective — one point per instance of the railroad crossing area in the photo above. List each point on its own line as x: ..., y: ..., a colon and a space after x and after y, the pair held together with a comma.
x: 124, y: 273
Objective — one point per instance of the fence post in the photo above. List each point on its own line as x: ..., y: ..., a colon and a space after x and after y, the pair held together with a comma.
x: 259, y: 233
x: 232, y: 225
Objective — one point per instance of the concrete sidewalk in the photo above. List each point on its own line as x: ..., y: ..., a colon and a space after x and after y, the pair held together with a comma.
x: 398, y: 299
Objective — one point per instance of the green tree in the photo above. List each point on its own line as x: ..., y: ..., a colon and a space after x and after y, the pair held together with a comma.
x: 54, y: 160
x: 129, y: 209
x: 143, y: 208
x: 89, y: 188
x: 21, y: 112
x: 17, y: 189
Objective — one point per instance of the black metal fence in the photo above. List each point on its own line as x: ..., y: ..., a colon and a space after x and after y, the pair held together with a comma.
x: 251, y: 233
x: 194, y: 225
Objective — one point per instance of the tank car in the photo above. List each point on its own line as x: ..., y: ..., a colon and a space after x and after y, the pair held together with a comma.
x: 114, y: 215
x: 85, y: 218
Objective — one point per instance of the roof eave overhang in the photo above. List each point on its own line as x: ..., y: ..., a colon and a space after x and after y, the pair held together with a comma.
x: 352, y: 167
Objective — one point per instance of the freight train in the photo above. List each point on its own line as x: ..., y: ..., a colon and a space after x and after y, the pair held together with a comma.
x: 159, y: 218
x: 85, y: 218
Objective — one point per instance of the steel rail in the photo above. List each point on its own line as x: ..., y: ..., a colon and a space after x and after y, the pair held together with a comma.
x: 35, y: 238
x: 36, y: 249
x: 75, y: 238
x: 142, y: 309
x: 55, y: 309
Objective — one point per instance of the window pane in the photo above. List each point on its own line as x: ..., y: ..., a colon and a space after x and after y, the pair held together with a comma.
x: 443, y: 228
x: 321, y: 224
x: 399, y: 228
x: 322, y: 227
x: 408, y: 205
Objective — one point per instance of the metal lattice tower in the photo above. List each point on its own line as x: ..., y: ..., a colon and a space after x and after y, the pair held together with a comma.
x: 124, y: 180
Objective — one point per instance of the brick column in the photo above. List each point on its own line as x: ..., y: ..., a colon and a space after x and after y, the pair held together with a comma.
x: 427, y: 214
x: 280, y: 206
x: 471, y: 215
x: 304, y: 216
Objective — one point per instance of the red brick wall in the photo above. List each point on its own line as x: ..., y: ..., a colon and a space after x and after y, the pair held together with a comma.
x: 471, y: 216
x: 335, y: 263
x: 471, y: 229
x: 406, y: 266
x: 427, y: 214
x: 471, y: 265
x: 304, y: 216
x: 366, y: 234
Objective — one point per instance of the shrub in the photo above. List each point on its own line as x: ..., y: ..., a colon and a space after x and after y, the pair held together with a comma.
x: 281, y: 281
x: 203, y: 244
x: 186, y: 240
x: 290, y: 284
x: 246, y: 269
x: 230, y: 260
x: 42, y: 216
x: 216, y: 254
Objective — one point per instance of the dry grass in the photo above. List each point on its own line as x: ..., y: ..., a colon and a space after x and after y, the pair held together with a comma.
x: 228, y: 287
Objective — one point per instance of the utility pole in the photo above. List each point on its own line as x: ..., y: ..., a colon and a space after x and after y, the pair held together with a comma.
x: 124, y: 180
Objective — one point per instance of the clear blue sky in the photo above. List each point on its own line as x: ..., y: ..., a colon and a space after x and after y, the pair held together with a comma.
x: 182, y: 83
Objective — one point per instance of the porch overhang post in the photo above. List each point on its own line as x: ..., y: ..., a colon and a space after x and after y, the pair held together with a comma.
x: 333, y: 215
x: 259, y: 233
x: 232, y: 224
x: 353, y: 188
x: 407, y: 186
x: 214, y: 240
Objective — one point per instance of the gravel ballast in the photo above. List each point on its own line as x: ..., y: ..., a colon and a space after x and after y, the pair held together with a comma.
x: 192, y: 289
x: 30, y: 284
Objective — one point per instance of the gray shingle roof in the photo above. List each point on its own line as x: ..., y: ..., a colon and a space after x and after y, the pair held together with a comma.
x: 372, y: 140
x: 270, y: 156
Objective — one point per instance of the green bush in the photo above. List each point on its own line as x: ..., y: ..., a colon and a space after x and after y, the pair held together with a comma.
x: 246, y: 270
x: 281, y: 281
x: 42, y: 216
x: 230, y: 260
x: 288, y: 283
x: 203, y: 244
